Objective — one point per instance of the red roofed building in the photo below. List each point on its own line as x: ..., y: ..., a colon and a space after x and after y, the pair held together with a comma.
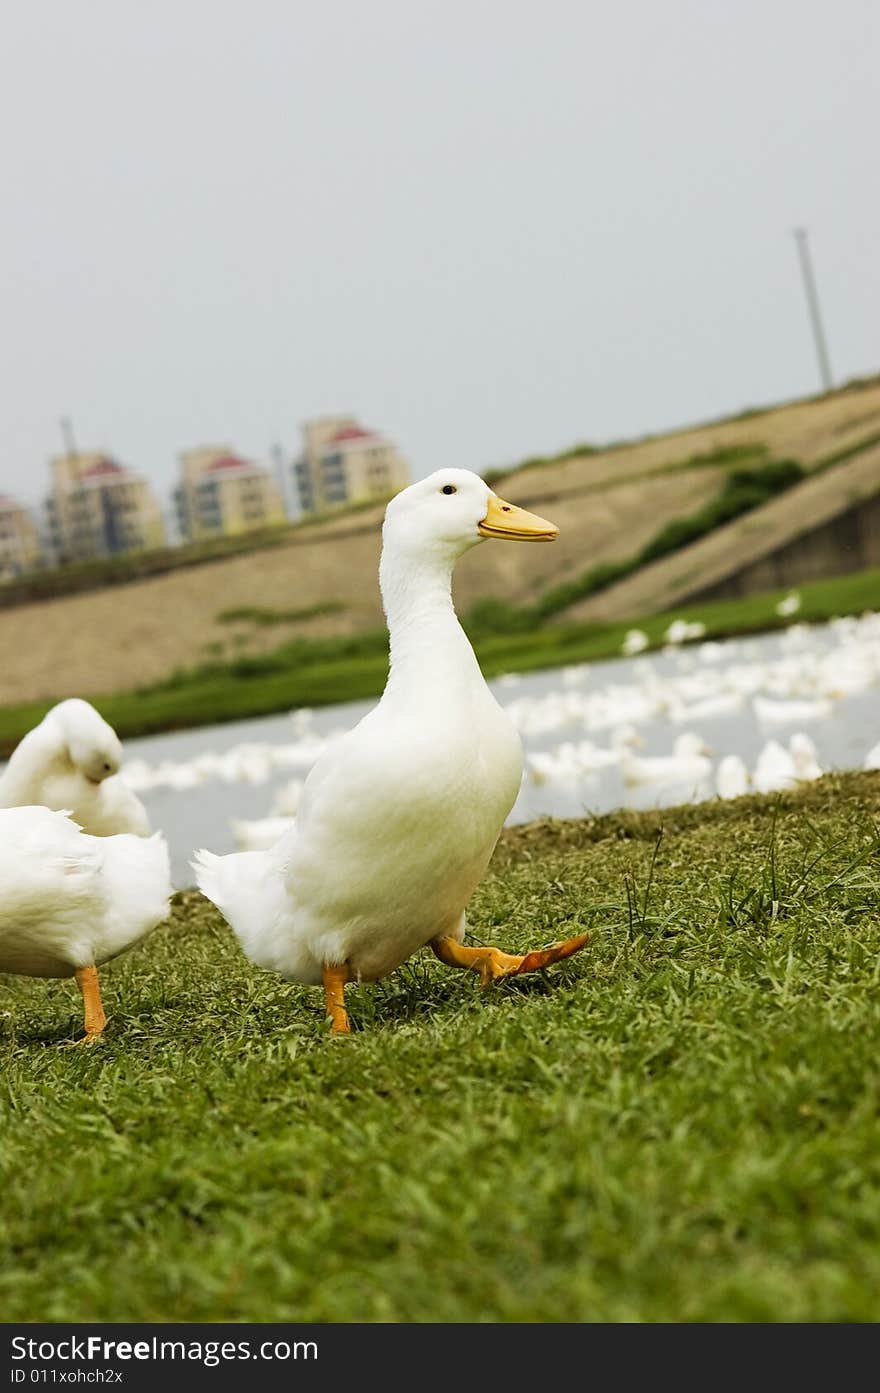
x: 342, y: 462
x: 99, y: 508
x: 221, y: 494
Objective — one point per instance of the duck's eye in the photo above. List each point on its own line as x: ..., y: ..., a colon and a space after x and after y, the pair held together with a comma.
x: 449, y: 488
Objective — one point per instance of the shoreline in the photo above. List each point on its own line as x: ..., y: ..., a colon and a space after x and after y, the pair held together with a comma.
x: 324, y: 672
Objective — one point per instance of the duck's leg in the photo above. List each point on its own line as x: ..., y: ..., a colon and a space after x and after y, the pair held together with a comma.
x: 95, y: 1020
x: 492, y: 964
x: 335, y: 979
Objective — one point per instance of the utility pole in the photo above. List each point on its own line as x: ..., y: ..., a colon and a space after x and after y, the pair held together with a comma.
x: 277, y: 453
x: 800, y: 237
x: 67, y: 436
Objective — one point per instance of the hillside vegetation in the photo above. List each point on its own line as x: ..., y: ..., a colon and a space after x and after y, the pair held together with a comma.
x: 615, y: 507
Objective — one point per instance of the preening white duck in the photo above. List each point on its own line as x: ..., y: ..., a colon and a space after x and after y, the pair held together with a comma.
x: 398, y: 819
x: 69, y: 902
x: 70, y: 762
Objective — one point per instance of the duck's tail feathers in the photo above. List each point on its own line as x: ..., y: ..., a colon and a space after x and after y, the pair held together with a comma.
x: 248, y: 889
x: 214, y: 878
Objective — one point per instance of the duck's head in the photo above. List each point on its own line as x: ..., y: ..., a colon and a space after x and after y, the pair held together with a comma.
x: 91, y: 744
x: 451, y: 511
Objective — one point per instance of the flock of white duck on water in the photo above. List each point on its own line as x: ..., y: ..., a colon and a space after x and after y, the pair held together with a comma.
x: 374, y: 844
x: 602, y: 724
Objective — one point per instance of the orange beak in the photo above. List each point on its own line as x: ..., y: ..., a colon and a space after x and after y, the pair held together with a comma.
x: 514, y: 524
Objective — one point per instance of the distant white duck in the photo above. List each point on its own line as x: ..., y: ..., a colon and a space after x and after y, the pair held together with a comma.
x: 805, y: 757
x: 570, y: 761
x: 683, y: 631
x: 70, y: 762
x: 732, y: 779
x: 778, y: 768
x: 69, y: 902
x: 774, y: 769
x: 557, y: 766
x: 771, y: 712
x: 635, y: 641
x: 259, y: 833
x: 399, y: 818
x: 790, y: 604
x: 287, y: 798
x: 872, y: 758
x: 688, y: 763
x: 709, y: 708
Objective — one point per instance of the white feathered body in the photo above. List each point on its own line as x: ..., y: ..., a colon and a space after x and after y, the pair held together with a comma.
x: 395, y: 829
x: 69, y: 900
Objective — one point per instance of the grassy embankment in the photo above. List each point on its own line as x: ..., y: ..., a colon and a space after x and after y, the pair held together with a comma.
x: 681, y: 1124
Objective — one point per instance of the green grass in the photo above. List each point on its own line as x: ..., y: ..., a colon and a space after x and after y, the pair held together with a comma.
x: 679, y: 1125
x: 318, y: 672
x: 263, y: 618
x: 725, y: 457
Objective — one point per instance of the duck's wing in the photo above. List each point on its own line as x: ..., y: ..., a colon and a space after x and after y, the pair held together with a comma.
x: 37, y: 836
x: 49, y: 885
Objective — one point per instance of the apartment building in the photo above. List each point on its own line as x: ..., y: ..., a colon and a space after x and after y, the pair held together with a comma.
x: 98, y: 508
x: 342, y: 462
x: 20, y: 549
x: 220, y: 494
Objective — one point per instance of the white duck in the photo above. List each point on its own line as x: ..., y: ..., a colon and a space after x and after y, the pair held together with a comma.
x: 634, y: 641
x: 260, y: 833
x: 70, y: 762
x: 69, y: 902
x: 687, y: 764
x: 771, y: 712
x: 779, y: 768
x: 399, y: 818
x: 805, y: 757
x: 732, y: 779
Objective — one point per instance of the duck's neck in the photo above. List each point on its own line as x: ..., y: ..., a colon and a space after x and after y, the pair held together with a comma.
x: 36, y: 759
x: 427, y: 642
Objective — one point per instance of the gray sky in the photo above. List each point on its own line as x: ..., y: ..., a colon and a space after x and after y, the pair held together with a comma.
x: 491, y: 228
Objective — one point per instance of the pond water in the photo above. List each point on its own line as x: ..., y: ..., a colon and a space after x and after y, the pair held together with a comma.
x: 737, y: 696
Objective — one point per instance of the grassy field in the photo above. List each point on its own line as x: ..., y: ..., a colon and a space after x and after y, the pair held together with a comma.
x: 319, y: 671
x: 679, y: 1125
